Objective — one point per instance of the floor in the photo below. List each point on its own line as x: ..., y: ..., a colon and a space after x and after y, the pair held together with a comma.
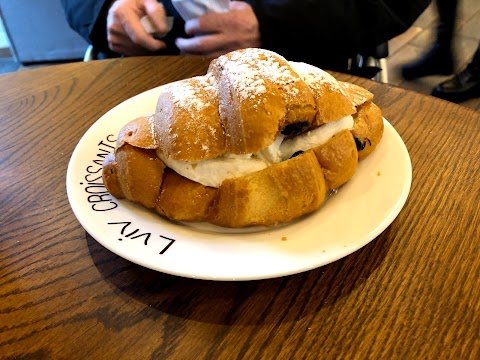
x: 403, y: 49
x: 411, y: 44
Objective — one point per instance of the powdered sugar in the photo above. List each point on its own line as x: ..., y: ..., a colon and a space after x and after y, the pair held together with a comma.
x: 151, y: 127
x: 357, y: 94
x: 249, y: 69
x: 315, y: 77
x: 192, y: 92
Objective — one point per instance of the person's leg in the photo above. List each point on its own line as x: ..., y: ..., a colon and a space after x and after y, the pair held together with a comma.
x: 439, y: 59
x: 464, y: 85
x: 447, y: 19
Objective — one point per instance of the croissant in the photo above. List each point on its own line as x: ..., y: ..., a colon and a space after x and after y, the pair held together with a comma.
x: 257, y: 140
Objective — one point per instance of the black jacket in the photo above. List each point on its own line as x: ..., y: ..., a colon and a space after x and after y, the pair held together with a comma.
x: 321, y: 32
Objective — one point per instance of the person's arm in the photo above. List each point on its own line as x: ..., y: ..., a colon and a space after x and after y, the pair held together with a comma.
x: 297, y: 29
x: 125, y: 32
x: 89, y: 18
x: 342, y: 26
x: 214, y: 34
x: 322, y: 32
x: 113, y: 26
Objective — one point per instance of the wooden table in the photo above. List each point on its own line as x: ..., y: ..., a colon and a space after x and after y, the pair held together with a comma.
x: 412, y: 293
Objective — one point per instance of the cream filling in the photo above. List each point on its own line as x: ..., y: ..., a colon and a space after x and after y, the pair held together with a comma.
x: 314, y: 138
x: 213, y: 172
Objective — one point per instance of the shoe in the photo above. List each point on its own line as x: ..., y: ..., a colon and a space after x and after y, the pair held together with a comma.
x: 438, y: 61
x: 463, y: 86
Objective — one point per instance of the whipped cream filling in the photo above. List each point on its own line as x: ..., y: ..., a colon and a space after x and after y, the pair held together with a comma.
x: 314, y: 138
x: 213, y: 172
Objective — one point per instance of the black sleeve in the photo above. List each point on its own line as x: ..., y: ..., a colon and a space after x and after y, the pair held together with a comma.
x: 334, y: 29
x: 89, y: 19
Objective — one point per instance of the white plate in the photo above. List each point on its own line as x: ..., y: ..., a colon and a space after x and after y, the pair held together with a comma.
x: 350, y: 219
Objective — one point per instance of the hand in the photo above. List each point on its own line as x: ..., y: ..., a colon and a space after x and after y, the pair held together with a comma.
x: 215, y: 34
x: 125, y: 33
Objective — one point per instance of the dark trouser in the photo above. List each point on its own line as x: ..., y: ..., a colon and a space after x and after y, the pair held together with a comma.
x: 447, y: 18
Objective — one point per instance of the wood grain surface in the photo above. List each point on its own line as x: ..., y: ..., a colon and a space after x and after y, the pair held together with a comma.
x: 412, y: 293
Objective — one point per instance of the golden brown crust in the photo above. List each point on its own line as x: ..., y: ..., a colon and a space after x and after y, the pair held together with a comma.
x: 357, y: 94
x: 139, y: 133
x: 367, y: 129
x: 338, y: 158
x: 332, y: 103
x: 276, y: 194
x: 183, y: 199
x: 187, y: 120
x: 188, y: 127
x: 140, y: 174
x: 110, y: 176
x: 259, y: 95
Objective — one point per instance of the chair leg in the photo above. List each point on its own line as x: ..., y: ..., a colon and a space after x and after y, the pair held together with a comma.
x: 383, y: 75
x: 90, y: 54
